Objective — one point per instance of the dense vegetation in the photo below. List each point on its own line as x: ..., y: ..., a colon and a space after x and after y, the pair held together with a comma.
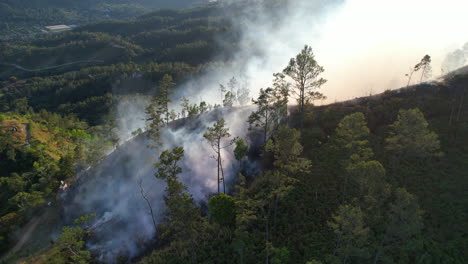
x: 379, y: 179
x: 112, y: 58
x: 26, y: 18
x: 56, y: 121
x: 375, y: 180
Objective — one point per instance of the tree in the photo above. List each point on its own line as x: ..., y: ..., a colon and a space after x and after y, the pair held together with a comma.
x: 265, y: 116
x: 70, y: 245
x: 181, y: 226
x: 164, y: 93
x: 243, y: 95
x: 241, y: 150
x: 223, y: 209
x: 281, y: 92
x: 172, y: 115
x: 351, y: 136
x: 423, y: 65
x: 194, y: 110
x: 272, y: 106
x: 150, y: 207
x: 232, y: 85
x: 286, y: 149
x: 216, y: 135
x: 167, y: 166
x: 304, y: 72
x: 351, y: 233
x: 155, y: 120
x: 369, y: 177
x: 229, y: 99
x: 25, y: 201
x: 67, y: 167
x: 185, y: 107
x: 223, y: 91
x: 403, y: 222
x: 410, y: 136
x: 203, y: 107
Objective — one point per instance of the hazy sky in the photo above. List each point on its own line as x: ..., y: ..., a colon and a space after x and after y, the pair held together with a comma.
x: 365, y: 46
x: 369, y: 45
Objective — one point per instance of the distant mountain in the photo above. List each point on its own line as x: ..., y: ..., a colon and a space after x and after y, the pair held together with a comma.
x: 20, y: 19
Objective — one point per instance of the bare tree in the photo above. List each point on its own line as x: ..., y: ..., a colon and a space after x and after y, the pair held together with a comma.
x: 148, y: 202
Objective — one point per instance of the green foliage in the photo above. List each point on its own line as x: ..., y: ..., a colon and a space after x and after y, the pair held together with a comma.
x: 216, y: 135
x: 351, y: 233
x: 164, y: 92
x: 304, y: 72
x: 271, y: 107
x: 411, y: 137
x: 222, y: 209
x: 70, y: 245
x: 24, y: 201
x: 352, y: 135
x: 241, y: 150
x: 286, y: 149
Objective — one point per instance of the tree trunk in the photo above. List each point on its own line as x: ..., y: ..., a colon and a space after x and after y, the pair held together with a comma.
x: 275, y: 209
x: 222, y: 173
x: 379, y: 250
x: 422, y: 73
x: 451, y: 113
x: 461, y: 106
x: 218, y: 159
x: 409, y: 78
x: 149, y: 205
x: 267, y: 257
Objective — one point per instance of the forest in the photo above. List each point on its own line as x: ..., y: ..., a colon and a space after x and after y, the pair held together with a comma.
x: 27, y: 18
x: 377, y: 179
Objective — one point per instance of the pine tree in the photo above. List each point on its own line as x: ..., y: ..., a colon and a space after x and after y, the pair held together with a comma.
x: 216, y: 136
x: 304, y: 72
x: 265, y: 116
x: 155, y: 121
x: 185, y: 107
x: 403, y: 222
x: 182, y: 224
x: 351, y: 233
x: 272, y: 107
x: 410, y: 136
x: 164, y: 93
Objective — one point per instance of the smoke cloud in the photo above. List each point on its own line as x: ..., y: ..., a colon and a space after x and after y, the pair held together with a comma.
x: 111, y: 189
x: 364, y: 45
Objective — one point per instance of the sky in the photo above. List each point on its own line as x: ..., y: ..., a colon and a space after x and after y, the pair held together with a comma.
x: 369, y: 45
x: 365, y: 46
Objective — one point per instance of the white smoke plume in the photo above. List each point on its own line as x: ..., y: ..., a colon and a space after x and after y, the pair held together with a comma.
x: 364, y: 45
x: 111, y: 189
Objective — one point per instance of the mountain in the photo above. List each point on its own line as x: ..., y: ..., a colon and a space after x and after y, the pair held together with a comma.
x: 27, y: 18
x: 119, y: 144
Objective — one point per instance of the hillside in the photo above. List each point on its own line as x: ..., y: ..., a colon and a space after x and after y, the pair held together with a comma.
x: 27, y: 18
x: 128, y: 140
x: 74, y: 72
x: 438, y: 184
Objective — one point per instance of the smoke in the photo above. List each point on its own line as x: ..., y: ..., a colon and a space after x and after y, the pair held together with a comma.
x: 455, y: 59
x: 363, y: 45
x: 111, y: 189
x: 130, y: 112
